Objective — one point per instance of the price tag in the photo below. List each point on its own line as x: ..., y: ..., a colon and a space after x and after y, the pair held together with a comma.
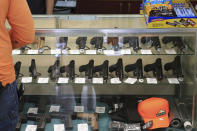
x: 151, y: 80
x: 56, y: 52
x: 64, y: 52
x: 115, y: 81
x: 173, y: 80
x: 26, y: 80
x: 31, y: 128
x: 146, y: 52
x: 97, y: 80
x: 82, y: 127
x: 63, y: 80
x: 33, y: 110
x: 59, y: 127
x: 91, y: 52
x: 75, y: 52
x: 125, y: 51
x: 109, y: 52
x: 32, y: 52
x: 54, y: 109
x: 16, y: 52
x: 130, y: 80
x: 80, y: 80
x: 100, y: 109
x: 43, y: 80
x: 79, y: 109
x: 170, y: 51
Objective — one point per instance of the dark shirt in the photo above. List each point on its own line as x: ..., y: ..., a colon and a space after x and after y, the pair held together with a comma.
x: 37, y: 6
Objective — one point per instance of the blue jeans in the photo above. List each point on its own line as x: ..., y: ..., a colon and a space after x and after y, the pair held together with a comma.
x: 9, y: 108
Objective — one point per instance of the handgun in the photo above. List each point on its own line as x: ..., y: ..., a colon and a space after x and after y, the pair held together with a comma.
x: 118, y: 68
x: 137, y: 69
x: 24, y: 48
x: 97, y: 42
x: 114, y: 42
x: 176, y: 67
x: 102, y: 69
x: 22, y: 119
x: 32, y: 69
x: 153, y: 41
x: 40, y: 119
x: 88, y: 69
x: 81, y: 42
x: 62, y: 42
x: 93, y: 117
x: 156, y: 68
x: 17, y: 68
x: 133, y: 42
x: 64, y: 117
x: 176, y: 41
x: 69, y: 69
x: 54, y: 70
x: 20, y: 91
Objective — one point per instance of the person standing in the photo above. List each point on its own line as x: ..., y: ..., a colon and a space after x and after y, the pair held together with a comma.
x: 21, y: 33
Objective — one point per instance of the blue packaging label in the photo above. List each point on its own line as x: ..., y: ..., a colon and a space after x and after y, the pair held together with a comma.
x: 157, y: 2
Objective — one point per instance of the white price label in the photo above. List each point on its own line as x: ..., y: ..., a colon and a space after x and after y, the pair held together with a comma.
x: 100, y: 109
x: 32, y: 52
x: 75, y: 52
x: 170, y: 51
x: 151, y: 80
x: 130, y: 80
x: 125, y: 51
x: 43, y: 80
x: 56, y: 52
x: 146, y: 52
x: 91, y: 52
x: 115, y: 81
x: 33, y: 110
x: 64, y: 51
x: 82, y: 127
x: 59, y: 127
x: 109, y: 52
x: 63, y: 80
x: 97, y: 80
x: 54, y: 109
x: 173, y: 80
x: 16, y: 52
x: 26, y: 80
x: 79, y: 109
x: 80, y: 80
x: 31, y: 128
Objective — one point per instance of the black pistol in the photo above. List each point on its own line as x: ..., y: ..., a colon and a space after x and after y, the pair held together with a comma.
x: 176, y: 67
x: 102, y: 69
x: 133, y: 42
x: 156, y: 68
x: 64, y: 117
x: 40, y: 119
x: 81, y: 42
x: 32, y: 69
x: 88, y: 69
x: 97, y: 42
x: 22, y: 119
x: 137, y: 69
x: 54, y: 70
x: 118, y: 68
x: 176, y: 41
x: 17, y: 68
x: 69, y: 69
x: 153, y: 41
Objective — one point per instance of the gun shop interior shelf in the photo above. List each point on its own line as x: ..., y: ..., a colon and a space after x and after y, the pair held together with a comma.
x: 106, y: 56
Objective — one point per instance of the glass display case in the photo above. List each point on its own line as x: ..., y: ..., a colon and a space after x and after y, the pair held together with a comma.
x: 106, y: 73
